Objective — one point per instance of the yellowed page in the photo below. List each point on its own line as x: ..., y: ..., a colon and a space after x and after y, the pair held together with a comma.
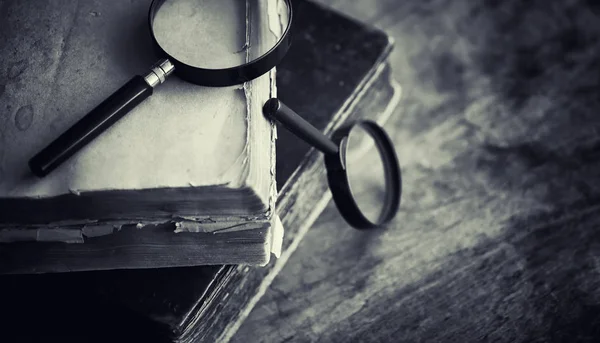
x: 184, y: 135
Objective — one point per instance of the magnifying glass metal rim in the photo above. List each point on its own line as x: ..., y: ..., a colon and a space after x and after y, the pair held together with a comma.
x: 339, y: 183
x: 226, y: 76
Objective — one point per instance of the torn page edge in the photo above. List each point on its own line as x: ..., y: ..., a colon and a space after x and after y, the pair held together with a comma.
x: 78, y: 234
x: 218, y: 228
x: 277, y: 241
x: 276, y: 27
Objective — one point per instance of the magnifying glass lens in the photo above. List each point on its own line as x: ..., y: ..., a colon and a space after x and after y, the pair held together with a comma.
x: 218, y: 34
x: 366, y: 173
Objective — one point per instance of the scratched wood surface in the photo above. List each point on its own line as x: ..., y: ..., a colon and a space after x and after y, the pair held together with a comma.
x: 498, y: 237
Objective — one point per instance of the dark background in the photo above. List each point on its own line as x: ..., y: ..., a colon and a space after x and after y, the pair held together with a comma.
x: 498, y: 237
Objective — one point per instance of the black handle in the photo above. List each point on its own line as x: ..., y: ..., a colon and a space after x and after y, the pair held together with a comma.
x: 276, y: 110
x: 89, y: 127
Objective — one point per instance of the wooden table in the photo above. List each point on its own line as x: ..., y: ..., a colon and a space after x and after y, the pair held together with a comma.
x: 498, y: 238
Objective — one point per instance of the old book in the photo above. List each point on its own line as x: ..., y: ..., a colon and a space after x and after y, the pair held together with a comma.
x: 186, y: 178
x: 336, y: 71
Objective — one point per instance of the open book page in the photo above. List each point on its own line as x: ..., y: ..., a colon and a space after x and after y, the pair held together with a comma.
x: 183, y: 136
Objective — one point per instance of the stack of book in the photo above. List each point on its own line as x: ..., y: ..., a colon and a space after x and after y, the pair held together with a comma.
x: 186, y: 178
x: 336, y: 71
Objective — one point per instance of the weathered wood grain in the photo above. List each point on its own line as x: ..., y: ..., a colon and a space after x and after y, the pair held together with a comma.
x: 497, y: 239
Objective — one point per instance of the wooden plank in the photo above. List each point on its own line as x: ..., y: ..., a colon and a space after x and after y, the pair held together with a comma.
x: 496, y: 239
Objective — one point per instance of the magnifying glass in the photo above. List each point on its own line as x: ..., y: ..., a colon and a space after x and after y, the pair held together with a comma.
x: 218, y: 43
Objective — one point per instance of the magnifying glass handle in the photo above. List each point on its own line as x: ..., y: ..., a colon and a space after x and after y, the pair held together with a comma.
x: 278, y: 111
x: 98, y: 120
